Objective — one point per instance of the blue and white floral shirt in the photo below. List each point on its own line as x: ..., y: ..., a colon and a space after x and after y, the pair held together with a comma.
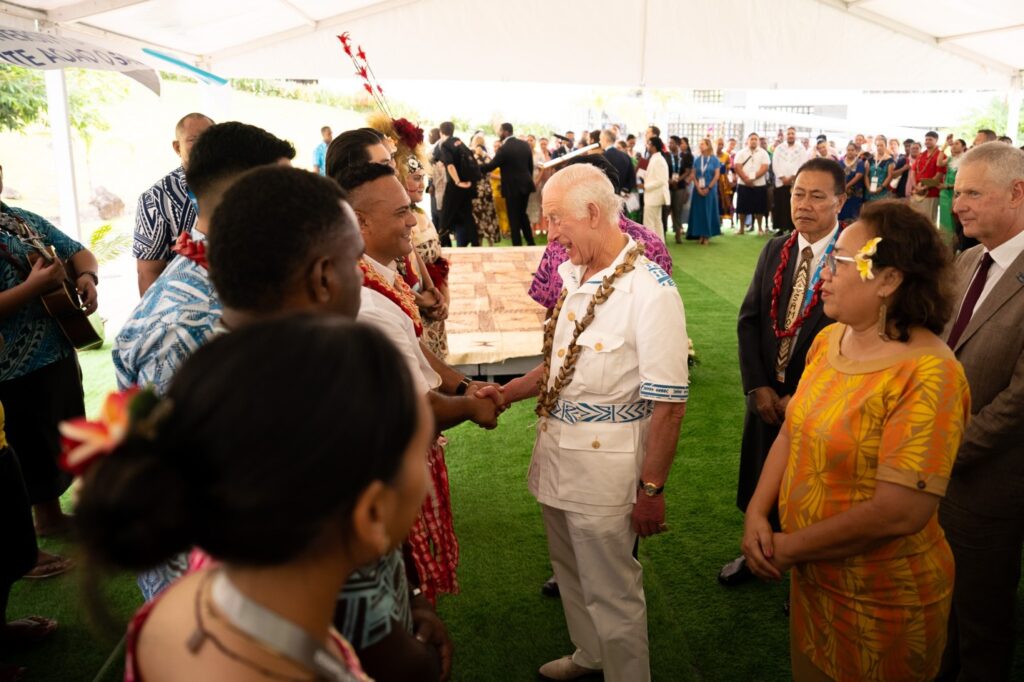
x: 176, y: 315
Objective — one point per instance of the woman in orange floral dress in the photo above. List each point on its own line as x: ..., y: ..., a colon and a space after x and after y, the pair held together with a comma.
x: 863, y: 459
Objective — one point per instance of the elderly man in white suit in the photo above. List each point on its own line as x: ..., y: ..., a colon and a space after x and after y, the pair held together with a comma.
x: 611, y: 399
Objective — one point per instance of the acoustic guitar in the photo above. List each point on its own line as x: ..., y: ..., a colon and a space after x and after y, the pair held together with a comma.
x: 63, y: 302
x: 65, y: 305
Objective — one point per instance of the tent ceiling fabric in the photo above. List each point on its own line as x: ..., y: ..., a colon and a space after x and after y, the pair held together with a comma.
x: 859, y: 44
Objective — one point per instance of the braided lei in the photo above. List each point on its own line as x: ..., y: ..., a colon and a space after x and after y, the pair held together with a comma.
x: 787, y: 250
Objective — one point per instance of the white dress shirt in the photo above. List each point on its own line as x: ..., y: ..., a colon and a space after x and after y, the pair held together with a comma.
x: 377, y: 310
x: 787, y: 161
x: 1002, y: 258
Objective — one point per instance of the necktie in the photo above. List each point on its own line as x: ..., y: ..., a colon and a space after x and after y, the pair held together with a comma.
x: 970, y: 300
x: 796, y: 304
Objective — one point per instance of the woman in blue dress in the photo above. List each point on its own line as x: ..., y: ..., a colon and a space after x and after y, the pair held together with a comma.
x: 853, y: 168
x: 878, y: 172
x: 704, y: 216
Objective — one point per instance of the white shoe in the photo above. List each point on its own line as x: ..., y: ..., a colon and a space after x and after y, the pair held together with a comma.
x: 564, y: 669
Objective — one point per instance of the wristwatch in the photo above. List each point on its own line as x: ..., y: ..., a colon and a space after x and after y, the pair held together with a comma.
x: 651, y: 490
x: 463, y: 386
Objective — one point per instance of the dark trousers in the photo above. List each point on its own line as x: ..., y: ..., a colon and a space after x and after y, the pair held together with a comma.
x: 758, y: 436
x: 17, y: 535
x: 457, y: 215
x: 518, y: 221
x: 35, y: 403
x: 782, y: 219
x: 679, y: 197
x: 987, y: 552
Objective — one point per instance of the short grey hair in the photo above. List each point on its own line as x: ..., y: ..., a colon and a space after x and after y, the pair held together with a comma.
x: 583, y: 185
x: 1004, y: 162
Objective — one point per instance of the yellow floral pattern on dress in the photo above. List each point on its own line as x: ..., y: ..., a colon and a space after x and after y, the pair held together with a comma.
x: 880, y: 615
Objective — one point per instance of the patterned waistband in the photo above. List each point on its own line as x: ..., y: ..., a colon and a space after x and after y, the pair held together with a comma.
x: 621, y: 413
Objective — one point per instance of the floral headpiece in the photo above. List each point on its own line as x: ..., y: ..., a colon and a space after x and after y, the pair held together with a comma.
x: 131, y: 411
x: 405, y: 135
x: 863, y: 258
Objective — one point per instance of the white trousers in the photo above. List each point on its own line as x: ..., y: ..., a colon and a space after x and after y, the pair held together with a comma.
x: 602, y: 591
x: 652, y: 220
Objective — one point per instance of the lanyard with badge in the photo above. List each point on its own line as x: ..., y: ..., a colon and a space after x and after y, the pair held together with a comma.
x: 701, y: 182
x: 817, y: 271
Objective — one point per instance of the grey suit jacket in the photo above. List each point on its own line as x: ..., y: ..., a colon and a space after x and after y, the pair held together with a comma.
x: 988, y: 477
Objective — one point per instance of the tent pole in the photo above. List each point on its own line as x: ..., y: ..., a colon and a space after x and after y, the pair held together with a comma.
x: 1013, y: 101
x: 64, y: 156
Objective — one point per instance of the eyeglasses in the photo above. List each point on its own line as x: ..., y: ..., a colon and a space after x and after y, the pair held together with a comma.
x: 832, y: 259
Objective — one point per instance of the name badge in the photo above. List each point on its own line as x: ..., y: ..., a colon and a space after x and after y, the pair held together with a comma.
x: 700, y: 183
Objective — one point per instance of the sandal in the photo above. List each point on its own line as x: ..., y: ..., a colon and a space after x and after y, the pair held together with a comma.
x: 26, y: 632
x: 48, y: 566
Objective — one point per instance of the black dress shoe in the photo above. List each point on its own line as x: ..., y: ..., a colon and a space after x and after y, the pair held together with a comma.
x: 550, y: 588
x: 735, y: 573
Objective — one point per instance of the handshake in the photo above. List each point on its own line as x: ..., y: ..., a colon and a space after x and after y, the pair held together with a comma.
x: 486, y: 401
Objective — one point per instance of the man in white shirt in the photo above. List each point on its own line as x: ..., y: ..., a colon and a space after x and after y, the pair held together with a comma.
x: 787, y: 159
x: 386, y: 220
x: 614, y: 395
x: 751, y: 168
x: 983, y: 510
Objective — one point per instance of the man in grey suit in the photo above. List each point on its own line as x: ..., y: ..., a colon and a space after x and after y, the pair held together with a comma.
x: 983, y: 511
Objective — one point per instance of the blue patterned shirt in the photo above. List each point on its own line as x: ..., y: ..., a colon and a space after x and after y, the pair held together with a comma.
x: 31, y: 338
x: 165, y: 211
x: 175, y: 316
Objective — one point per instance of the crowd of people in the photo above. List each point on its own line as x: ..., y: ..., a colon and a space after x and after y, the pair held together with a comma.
x: 280, y: 528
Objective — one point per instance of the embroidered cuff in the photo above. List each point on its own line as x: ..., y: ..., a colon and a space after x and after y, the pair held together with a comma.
x: 664, y: 392
x: 917, y: 480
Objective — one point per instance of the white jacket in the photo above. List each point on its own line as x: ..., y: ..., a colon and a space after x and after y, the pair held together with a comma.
x: 656, y: 182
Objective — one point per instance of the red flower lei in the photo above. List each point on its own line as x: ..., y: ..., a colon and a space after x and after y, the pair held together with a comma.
x: 398, y: 293
x: 192, y: 249
x: 787, y: 250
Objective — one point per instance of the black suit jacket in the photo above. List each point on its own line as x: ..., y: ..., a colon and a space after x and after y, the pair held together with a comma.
x: 624, y: 167
x: 758, y: 350
x: 515, y: 159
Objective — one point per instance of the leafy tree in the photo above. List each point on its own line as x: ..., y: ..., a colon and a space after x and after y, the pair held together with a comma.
x: 994, y: 117
x: 22, y: 97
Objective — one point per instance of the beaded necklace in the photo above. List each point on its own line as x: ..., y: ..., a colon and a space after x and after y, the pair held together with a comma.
x: 548, y: 397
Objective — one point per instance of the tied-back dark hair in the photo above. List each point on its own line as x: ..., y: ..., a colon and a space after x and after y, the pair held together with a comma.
x: 270, y: 225
x: 349, y: 149
x: 658, y: 145
x: 822, y: 165
x: 274, y: 432
x: 351, y: 178
x: 226, y: 149
x: 911, y: 244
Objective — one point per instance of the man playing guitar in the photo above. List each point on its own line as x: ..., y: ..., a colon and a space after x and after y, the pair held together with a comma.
x: 40, y: 379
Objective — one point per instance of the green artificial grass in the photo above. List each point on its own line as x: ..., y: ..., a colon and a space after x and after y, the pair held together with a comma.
x: 502, y: 627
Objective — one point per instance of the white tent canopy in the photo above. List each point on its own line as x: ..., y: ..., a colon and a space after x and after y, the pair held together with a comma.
x: 722, y: 44
x: 714, y: 44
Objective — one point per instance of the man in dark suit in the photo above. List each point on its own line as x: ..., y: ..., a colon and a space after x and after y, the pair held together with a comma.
x: 770, y: 364
x: 983, y: 510
x: 515, y: 159
x: 620, y: 161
